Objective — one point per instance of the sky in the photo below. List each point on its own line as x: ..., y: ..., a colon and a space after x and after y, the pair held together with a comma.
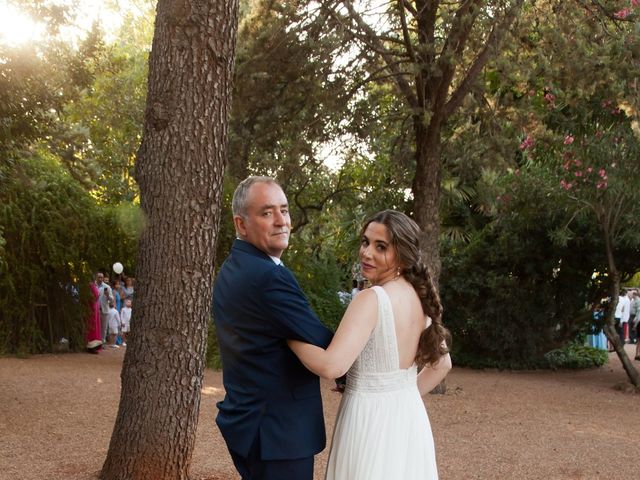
x: 17, y: 27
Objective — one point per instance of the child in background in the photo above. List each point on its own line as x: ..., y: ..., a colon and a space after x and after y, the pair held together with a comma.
x: 125, y: 319
x: 114, y: 324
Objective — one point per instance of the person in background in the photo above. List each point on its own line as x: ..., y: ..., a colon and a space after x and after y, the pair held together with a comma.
x: 128, y: 288
x: 355, y: 290
x: 125, y: 319
x: 626, y: 314
x: 634, y: 316
x: 114, y: 324
x: 105, y: 296
x: 93, y: 334
x: 118, y: 294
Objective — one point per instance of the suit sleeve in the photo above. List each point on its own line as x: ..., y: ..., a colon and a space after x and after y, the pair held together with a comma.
x: 290, y: 312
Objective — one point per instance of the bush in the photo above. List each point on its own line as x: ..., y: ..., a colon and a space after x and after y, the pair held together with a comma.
x: 573, y: 356
x: 576, y: 356
x: 515, y: 291
x: 320, y: 280
x: 53, y: 235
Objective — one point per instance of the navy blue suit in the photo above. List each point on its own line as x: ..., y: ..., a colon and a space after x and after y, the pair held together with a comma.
x: 271, y: 399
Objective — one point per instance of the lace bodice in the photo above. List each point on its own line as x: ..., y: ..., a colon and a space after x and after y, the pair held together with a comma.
x: 377, y: 368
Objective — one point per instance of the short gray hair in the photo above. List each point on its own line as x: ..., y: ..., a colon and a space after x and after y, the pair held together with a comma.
x: 239, y: 202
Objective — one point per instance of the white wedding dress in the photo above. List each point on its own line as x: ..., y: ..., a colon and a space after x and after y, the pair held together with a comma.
x: 382, y: 430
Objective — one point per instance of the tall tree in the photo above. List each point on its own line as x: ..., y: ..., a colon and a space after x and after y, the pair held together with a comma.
x: 180, y: 167
x: 433, y: 53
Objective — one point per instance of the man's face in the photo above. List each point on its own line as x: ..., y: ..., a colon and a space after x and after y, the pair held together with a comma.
x: 267, y: 223
x: 99, y: 278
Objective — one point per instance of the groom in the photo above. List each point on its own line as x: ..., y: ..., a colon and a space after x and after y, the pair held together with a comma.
x: 271, y: 416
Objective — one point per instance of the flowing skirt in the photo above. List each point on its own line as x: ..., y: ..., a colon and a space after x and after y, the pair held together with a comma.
x: 382, y: 436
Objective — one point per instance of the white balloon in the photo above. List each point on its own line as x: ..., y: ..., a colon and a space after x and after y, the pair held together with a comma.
x: 117, y: 267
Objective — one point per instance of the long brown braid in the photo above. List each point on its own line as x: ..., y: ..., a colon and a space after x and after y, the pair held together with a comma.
x: 405, y: 238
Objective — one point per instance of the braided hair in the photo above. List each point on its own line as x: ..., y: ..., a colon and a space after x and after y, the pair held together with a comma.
x: 405, y: 238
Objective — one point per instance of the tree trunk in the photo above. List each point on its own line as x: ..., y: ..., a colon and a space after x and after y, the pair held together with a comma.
x: 180, y: 169
x: 426, y: 199
x: 426, y: 189
x: 609, y: 330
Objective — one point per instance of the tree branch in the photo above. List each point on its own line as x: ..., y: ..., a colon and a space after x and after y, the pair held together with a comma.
x: 405, y: 32
x: 493, y: 41
x: 455, y: 42
x: 373, y: 40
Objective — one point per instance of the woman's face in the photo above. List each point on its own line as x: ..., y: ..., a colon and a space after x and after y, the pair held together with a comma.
x: 378, y: 258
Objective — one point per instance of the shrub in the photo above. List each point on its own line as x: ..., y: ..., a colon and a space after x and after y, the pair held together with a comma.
x: 53, y: 234
x: 573, y: 356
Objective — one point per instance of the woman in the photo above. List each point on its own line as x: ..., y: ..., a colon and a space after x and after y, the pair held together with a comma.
x: 128, y: 288
x: 382, y: 429
x: 93, y: 334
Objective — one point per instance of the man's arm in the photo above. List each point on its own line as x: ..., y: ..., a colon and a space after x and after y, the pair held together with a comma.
x: 290, y: 312
x: 351, y: 337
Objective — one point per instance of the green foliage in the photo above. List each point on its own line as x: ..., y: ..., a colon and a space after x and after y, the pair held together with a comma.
x: 511, y: 294
x: 572, y: 356
x: 213, y: 359
x: 576, y: 356
x: 320, y: 279
x: 103, y: 127
x: 54, y: 234
x: 32, y: 90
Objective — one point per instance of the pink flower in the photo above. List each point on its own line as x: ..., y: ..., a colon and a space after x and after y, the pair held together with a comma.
x: 568, y: 139
x: 566, y: 185
x: 578, y: 162
x: 635, y: 3
x: 549, y: 97
x: 578, y: 173
x: 589, y: 170
x: 622, y: 14
x: 601, y: 185
x: 526, y: 143
x: 602, y: 172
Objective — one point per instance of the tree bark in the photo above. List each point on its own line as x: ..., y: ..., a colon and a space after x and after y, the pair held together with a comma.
x: 614, y: 290
x: 426, y: 190
x: 180, y: 168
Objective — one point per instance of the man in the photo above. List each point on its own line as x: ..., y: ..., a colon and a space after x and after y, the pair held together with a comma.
x: 271, y: 416
x: 634, y: 316
x: 106, y: 295
x: 621, y: 316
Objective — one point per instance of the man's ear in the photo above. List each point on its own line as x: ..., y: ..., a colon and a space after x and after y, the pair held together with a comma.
x: 241, y: 228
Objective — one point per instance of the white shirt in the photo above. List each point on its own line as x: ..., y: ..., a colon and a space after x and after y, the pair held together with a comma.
x: 623, y: 309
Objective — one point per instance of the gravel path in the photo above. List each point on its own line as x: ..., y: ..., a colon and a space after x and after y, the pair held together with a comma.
x: 490, y: 425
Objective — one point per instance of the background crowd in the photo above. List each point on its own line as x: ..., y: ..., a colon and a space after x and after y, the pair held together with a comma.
x: 109, y: 317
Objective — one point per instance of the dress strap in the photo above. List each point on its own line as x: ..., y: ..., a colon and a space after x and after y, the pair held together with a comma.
x: 386, y: 331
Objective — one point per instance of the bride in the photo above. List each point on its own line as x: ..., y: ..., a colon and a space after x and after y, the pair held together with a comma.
x: 382, y: 429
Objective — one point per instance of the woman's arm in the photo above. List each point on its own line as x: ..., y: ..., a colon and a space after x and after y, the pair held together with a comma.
x: 431, y: 375
x: 352, y: 335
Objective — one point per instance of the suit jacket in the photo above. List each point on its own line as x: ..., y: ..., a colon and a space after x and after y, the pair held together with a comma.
x: 257, y: 306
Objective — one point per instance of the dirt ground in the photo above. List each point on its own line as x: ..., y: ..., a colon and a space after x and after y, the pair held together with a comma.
x: 57, y: 413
